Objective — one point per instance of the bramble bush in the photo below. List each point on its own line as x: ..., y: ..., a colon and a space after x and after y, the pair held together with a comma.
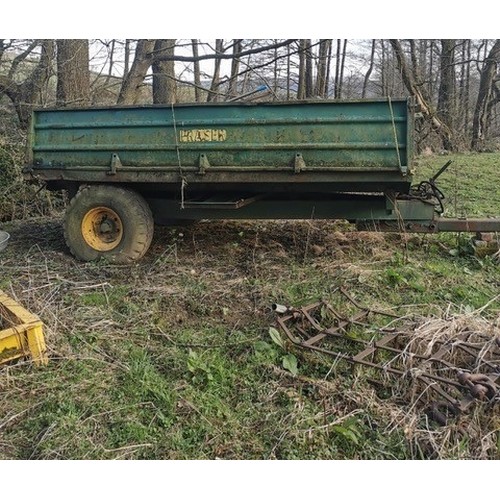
x: 18, y: 198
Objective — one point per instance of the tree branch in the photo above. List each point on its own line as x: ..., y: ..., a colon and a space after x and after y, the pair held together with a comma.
x: 414, y: 90
x: 224, y: 56
x: 21, y: 57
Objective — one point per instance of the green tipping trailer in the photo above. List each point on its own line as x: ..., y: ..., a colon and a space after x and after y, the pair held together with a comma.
x: 126, y: 167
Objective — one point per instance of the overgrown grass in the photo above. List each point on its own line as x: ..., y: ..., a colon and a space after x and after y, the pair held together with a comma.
x: 470, y: 183
x: 171, y: 358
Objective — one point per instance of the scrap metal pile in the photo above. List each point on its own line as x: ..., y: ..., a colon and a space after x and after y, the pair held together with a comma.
x: 447, y: 371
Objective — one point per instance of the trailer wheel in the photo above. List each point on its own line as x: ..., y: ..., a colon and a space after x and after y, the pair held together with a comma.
x: 108, y: 221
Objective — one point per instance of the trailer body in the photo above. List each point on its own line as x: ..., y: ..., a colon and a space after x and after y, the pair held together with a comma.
x: 299, y: 146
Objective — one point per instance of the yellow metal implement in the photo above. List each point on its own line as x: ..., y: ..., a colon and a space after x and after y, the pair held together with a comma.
x: 21, y: 333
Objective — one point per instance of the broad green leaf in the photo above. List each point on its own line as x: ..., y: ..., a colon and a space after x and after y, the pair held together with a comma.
x: 261, y: 346
x: 192, y: 364
x: 192, y: 361
x: 290, y: 364
x: 347, y: 432
x: 276, y: 337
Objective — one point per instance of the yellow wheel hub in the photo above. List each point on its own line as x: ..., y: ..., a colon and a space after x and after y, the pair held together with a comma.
x: 102, y: 229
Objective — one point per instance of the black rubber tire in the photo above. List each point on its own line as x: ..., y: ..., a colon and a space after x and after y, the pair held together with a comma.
x: 135, y: 215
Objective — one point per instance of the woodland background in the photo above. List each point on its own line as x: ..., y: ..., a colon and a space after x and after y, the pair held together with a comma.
x: 455, y: 83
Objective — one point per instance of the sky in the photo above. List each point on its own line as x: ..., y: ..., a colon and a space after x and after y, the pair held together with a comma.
x: 256, y: 19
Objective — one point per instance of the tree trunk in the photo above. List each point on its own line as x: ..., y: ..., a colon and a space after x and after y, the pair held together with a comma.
x: 342, y: 67
x: 276, y: 73
x: 126, y: 64
x: 111, y: 61
x: 235, y: 68
x: 369, y: 70
x: 196, y: 72
x: 413, y: 57
x: 129, y: 92
x: 446, y: 94
x: 328, y: 66
x: 73, y: 73
x: 414, y: 89
x: 337, y: 69
x: 213, y: 95
x: 422, y: 57
x: 288, y: 73
x: 164, y: 83
x: 305, y: 88
x: 309, y: 70
x: 301, y: 89
x: 382, y: 67
x: 467, y: 90
x: 322, y: 75
x: 463, y: 97
x: 430, y: 76
x: 486, y: 96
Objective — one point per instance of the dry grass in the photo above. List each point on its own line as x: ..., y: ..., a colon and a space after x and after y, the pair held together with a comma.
x: 474, y: 433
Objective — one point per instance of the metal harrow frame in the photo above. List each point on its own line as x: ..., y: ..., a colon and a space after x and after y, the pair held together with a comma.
x: 389, y: 352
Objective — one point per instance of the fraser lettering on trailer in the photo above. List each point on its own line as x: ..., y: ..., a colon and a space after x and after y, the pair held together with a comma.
x: 203, y: 135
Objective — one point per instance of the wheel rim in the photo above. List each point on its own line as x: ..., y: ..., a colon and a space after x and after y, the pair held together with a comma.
x: 102, y: 229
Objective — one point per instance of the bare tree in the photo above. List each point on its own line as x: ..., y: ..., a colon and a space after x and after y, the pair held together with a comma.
x: 413, y: 59
x: 73, y: 73
x: 488, y: 96
x: 196, y: 71
x: 369, y: 70
x: 463, y: 97
x: 324, y: 54
x: 288, y: 73
x: 126, y: 64
x: 301, y: 89
x: 414, y: 89
x: 342, y: 68
x: 276, y: 72
x: 337, y: 69
x: 164, y: 81
x: 340, y: 58
x: 235, y: 68
x: 29, y: 92
x: 309, y: 69
x: 112, y: 47
x: 305, y: 87
x: 214, y: 86
x: 446, y: 93
x: 133, y: 80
